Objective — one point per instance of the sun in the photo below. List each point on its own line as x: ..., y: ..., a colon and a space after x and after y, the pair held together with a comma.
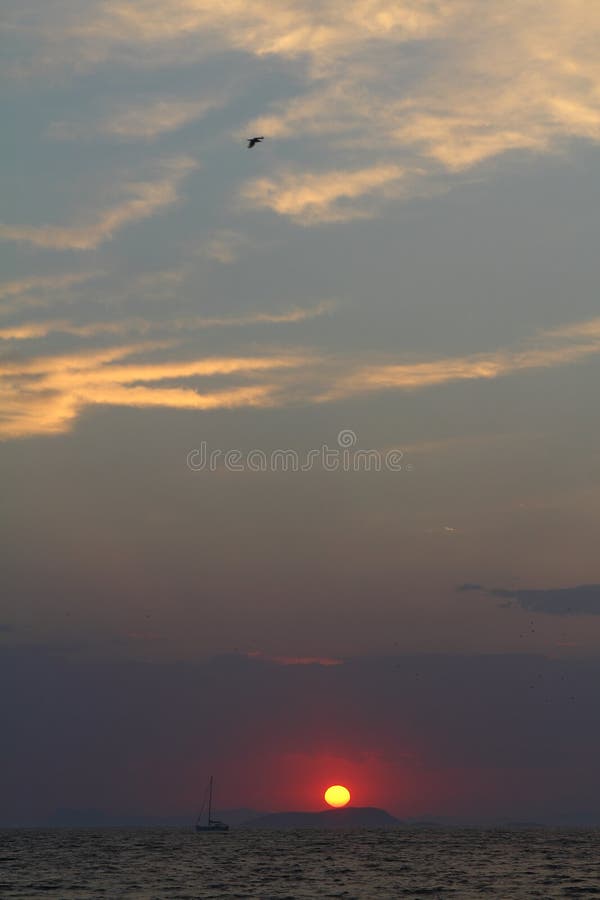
x: 337, y: 795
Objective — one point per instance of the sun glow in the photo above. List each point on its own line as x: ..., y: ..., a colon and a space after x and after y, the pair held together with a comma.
x: 337, y: 795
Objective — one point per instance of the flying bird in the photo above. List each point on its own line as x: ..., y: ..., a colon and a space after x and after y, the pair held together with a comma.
x: 253, y: 141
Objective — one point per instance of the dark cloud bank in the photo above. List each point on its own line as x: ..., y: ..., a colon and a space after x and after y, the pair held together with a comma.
x: 583, y: 600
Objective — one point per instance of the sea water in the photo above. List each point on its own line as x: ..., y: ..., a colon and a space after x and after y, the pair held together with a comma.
x: 174, y: 864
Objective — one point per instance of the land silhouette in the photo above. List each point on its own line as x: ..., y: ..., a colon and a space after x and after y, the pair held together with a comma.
x: 346, y: 817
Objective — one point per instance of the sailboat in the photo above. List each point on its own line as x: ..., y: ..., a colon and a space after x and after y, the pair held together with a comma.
x: 211, y: 824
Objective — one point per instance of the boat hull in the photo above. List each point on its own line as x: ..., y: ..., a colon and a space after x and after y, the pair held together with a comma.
x: 220, y: 828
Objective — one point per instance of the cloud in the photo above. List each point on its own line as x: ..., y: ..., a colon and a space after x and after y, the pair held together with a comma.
x: 32, y: 330
x: 44, y: 395
x: 140, y: 121
x: 51, y: 291
x: 43, y: 283
x: 188, y: 29
x: 225, y: 245
x: 40, y: 290
x: 461, y: 443
x: 589, y: 329
x: 549, y: 349
x: 437, y: 86
x: 494, y: 80
x: 486, y: 80
x: 518, y: 83
x: 309, y: 197
x: 584, y: 599
x: 145, y: 199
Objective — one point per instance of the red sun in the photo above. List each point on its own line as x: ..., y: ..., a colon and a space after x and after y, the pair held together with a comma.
x: 337, y: 795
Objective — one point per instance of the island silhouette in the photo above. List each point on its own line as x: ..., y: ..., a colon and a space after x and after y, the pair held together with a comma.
x: 344, y: 817
x: 347, y: 817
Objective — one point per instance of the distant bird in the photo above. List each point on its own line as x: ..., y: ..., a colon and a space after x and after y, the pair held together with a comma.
x: 253, y: 141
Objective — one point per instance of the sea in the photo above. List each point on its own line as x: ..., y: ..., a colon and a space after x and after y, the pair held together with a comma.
x: 175, y: 864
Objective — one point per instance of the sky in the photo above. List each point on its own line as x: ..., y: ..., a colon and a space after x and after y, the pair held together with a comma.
x: 299, y: 444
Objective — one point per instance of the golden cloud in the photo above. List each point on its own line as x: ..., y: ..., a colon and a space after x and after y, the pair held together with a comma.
x: 491, y: 78
x: 488, y: 78
x: 44, y: 395
x: 290, y: 28
x: 310, y: 197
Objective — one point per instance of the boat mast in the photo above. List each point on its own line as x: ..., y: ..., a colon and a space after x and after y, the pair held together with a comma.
x: 210, y: 799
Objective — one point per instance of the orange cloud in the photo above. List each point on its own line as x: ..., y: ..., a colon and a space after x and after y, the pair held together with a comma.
x: 44, y: 395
